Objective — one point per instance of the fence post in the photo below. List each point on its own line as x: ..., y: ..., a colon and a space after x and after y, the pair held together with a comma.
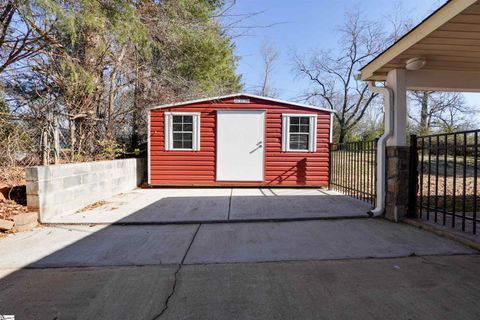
x: 56, y: 140
x: 413, y: 178
x: 329, y: 165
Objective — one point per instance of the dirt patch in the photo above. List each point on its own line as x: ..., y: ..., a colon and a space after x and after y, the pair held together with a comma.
x: 9, y: 208
x: 93, y: 206
x: 13, y: 192
x: 12, y: 187
x: 441, y: 192
x: 17, y: 193
x: 12, y: 176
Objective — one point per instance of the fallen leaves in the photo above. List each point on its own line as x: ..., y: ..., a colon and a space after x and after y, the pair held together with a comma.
x: 9, y: 208
x: 93, y: 206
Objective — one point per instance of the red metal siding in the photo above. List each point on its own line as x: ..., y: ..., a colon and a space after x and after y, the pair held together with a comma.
x: 199, y: 167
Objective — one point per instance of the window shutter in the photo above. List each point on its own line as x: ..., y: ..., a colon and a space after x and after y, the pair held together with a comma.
x: 168, y: 131
x: 196, y: 130
x: 285, y: 125
x: 312, y: 145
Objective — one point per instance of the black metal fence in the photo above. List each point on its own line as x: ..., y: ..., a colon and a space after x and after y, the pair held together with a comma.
x: 353, y: 169
x: 447, y: 179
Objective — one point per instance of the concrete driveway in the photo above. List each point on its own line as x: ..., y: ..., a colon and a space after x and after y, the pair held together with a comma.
x: 440, y: 287
x: 185, y: 205
x: 342, y: 268
x: 94, y: 246
x: 328, y: 269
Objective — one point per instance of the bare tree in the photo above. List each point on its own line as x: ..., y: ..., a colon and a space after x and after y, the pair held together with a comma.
x: 86, y: 71
x: 269, y: 56
x: 20, y: 36
x: 430, y: 110
x: 332, y: 75
x: 400, y: 22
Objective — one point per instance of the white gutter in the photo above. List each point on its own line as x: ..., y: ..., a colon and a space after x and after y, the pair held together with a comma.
x: 381, y: 147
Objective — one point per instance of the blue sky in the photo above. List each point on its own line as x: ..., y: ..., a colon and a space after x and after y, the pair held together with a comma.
x: 303, y: 26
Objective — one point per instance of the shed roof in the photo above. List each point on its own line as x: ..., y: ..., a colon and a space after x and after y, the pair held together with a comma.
x: 449, y: 39
x: 234, y: 95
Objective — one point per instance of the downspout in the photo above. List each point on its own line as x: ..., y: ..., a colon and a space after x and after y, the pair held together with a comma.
x: 381, y: 147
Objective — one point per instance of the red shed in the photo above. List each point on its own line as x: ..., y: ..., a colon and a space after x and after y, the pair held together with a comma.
x: 238, y: 140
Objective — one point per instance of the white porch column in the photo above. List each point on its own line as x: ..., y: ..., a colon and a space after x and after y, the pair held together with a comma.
x: 397, y: 152
x: 396, y: 80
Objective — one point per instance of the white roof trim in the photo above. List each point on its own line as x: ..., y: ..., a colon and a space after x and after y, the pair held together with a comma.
x: 438, y: 18
x: 177, y: 104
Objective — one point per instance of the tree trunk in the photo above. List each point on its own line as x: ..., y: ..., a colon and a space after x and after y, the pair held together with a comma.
x: 111, y: 97
x: 112, y: 93
x: 86, y: 129
x: 45, y: 148
x: 424, y: 114
x: 56, y: 141
x: 72, y: 139
x: 134, y: 137
x: 136, y: 110
x: 342, y: 135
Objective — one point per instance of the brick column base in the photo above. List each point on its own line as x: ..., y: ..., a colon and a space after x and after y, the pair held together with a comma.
x: 397, y: 162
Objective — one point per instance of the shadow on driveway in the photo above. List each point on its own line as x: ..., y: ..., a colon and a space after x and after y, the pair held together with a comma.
x: 157, y: 206
x: 114, y: 271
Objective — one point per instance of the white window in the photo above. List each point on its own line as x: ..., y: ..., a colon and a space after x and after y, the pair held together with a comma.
x: 299, y: 132
x: 182, y: 131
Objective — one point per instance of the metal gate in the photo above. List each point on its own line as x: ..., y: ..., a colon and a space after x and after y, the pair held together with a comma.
x: 353, y: 169
x: 446, y: 180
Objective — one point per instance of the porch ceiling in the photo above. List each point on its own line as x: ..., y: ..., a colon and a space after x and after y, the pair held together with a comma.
x: 449, y: 39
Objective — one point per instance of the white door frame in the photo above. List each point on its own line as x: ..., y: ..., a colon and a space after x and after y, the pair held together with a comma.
x: 264, y: 142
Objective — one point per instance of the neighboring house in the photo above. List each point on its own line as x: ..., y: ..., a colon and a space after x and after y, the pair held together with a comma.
x: 239, y: 139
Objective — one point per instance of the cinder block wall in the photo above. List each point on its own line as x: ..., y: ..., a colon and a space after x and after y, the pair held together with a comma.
x: 59, y: 189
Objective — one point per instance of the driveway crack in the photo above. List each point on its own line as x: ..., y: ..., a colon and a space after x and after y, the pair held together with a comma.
x: 175, y: 276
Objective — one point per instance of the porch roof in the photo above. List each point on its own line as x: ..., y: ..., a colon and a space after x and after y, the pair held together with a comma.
x: 449, y: 40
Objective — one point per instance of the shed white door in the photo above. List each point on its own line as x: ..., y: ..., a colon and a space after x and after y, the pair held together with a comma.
x: 240, y: 145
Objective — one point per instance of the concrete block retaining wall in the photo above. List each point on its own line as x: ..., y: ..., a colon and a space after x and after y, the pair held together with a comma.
x: 65, y: 188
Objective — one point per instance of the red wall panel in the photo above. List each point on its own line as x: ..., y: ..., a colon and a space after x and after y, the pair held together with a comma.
x: 199, y: 167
